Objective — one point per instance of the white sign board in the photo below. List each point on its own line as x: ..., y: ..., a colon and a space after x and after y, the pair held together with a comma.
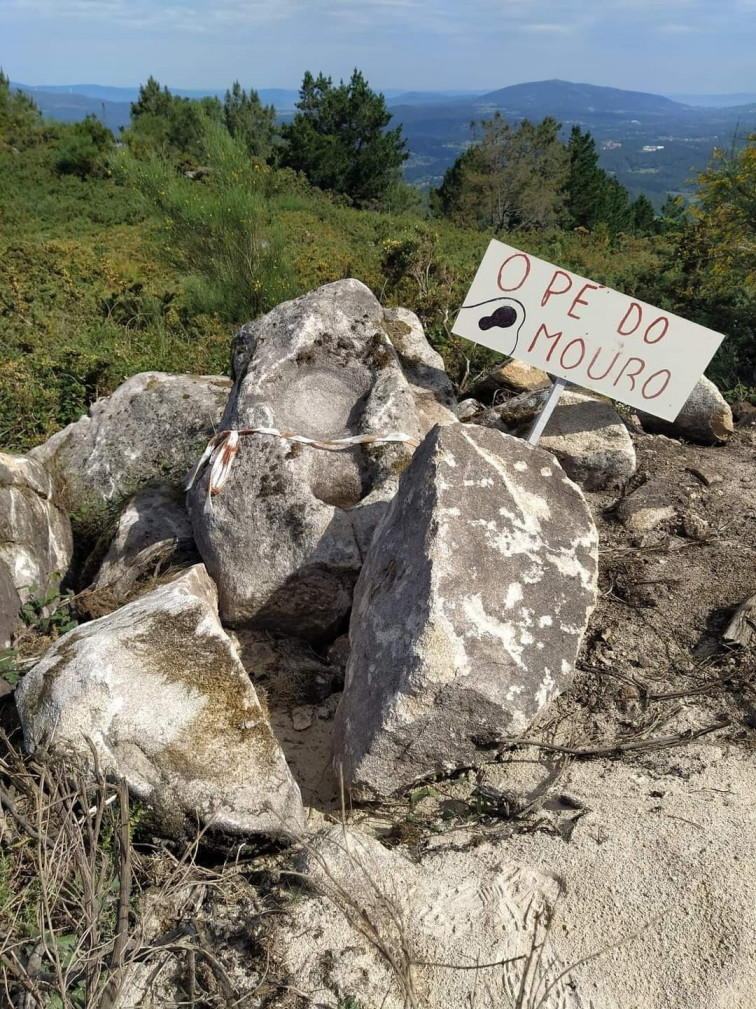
x: 585, y: 333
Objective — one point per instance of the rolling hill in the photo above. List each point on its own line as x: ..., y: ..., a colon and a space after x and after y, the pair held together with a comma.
x: 652, y: 143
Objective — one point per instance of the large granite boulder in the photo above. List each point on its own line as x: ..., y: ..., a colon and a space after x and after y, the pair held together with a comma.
x: 586, y: 435
x: 153, y: 528
x: 159, y: 689
x: 153, y: 427
x: 280, y: 540
x: 705, y: 418
x: 469, y: 610
x: 36, y: 543
x: 423, y: 367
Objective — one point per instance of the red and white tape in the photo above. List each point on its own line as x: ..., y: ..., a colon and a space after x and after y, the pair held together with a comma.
x: 223, y: 448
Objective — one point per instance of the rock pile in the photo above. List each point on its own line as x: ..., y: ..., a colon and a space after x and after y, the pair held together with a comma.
x: 427, y: 628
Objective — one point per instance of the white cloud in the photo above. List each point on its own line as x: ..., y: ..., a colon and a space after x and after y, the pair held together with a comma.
x: 189, y: 14
x: 435, y: 17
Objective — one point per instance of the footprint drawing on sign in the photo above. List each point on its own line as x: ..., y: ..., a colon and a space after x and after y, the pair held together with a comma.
x: 501, y: 313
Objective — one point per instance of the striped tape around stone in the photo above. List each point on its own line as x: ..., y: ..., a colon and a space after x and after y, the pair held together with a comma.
x: 222, y: 450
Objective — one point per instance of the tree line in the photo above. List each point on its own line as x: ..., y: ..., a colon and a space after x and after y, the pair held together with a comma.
x: 521, y: 180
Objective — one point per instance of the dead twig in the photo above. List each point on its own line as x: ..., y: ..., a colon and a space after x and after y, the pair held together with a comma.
x: 654, y: 743
x: 28, y: 828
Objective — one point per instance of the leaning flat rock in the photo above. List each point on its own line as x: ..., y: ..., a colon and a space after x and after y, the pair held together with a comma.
x: 585, y: 434
x: 153, y: 427
x: 469, y: 610
x: 36, y: 543
x: 153, y: 528
x: 514, y: 375
x: 423, y: 367
x: 280, y: 540
x: 647, y: 508
x: 454, y: 909
x: 705, y: 418
x: 159, y: 688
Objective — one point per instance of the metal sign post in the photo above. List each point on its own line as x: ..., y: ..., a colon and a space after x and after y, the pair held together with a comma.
x: 560, y: 384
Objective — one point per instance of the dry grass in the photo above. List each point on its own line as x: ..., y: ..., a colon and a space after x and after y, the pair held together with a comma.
x: 83, y: 911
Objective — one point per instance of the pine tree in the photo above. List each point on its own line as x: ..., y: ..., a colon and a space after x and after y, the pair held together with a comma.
x: 340, y: 141
x: 586, y: 189
x: 169, y: 124
x: 618, y: 214
x: 644, y: 218
x: 152, y: 101
x: 511, y: 178
x: 245, y: 116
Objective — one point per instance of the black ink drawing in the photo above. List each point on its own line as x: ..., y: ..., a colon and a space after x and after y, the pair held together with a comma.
x: 503, y: 317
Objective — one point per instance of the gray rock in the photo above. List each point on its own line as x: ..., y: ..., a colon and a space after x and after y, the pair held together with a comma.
x: 159, y: 689
x: 646, y: 508
x: 586, y: 435
x: 282, y: 558
x: 468, y: 408
x: 36, y: 543
x: 705, y: 418
x: 153, y: 527
x: 338, y: 652
x: 423, y: 367
x: 280, y: 540
x: 469, y: 610
x: 153, y: 427
x: 10, y: 604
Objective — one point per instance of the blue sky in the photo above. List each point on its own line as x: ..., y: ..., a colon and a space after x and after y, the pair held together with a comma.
x: 652, y: 45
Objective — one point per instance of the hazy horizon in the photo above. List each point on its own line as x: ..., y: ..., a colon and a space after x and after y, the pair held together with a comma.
x: 657, y: 46
x: 392, y: 88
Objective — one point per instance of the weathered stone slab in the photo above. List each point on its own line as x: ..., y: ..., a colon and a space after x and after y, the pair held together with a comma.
x: 647, y: 508
x: 514, y: 375
x: 153, y: 427
x: 35, y: 533
x: 159, y: 689
x: 469, y: 610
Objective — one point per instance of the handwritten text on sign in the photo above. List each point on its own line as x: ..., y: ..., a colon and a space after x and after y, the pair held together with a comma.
x: 584, y: 332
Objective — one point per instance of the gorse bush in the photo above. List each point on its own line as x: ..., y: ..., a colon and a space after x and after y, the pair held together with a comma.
x: 83, y: 148
x: 220, y: 229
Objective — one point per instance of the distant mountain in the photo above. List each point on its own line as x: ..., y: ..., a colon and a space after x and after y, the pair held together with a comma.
x: 71, y: 107
x: 716, y: 101
x: 563, y: 98
x: 652, y: 143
